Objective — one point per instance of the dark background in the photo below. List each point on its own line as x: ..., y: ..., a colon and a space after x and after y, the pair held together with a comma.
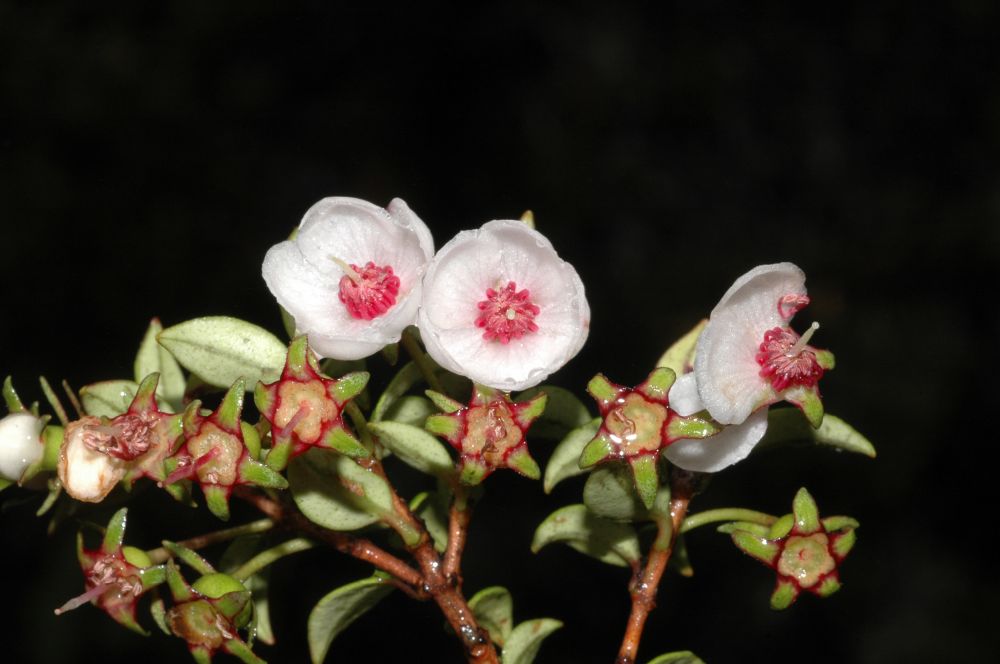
x: 149, y: 156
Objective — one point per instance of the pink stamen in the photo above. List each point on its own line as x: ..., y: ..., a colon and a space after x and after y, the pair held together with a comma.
x: 791, y: 304
x: 786, y: 360
x: 127, y: 437
x: 186, y: 469
x: 299, y: 415
x: 369, y: 291
x: 86, y: 597
x: 507, y: 314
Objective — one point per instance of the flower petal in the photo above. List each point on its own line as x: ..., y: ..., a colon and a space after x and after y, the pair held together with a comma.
x: 304, y: 274
x: 710, y: 455
x: 85, y: 474
x: 725, y: 365
x: 20, y: 444
x: 465, y: 268
x: 684, y: 398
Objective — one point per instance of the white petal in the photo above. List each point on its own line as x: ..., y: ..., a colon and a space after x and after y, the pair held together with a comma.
x: 20, y: 444
x: 710, y: 455
x: 304, y: 277
x: 457, y: 280
x: 87, y: 475
x: 684, y: 397
x: 308, y: 295
x: 725, y: 366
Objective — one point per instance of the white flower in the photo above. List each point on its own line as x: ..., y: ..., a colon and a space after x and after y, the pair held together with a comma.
x: 502, y: 308
x: 351, y: 276
x: 20, y: 444
x: 747, y: 358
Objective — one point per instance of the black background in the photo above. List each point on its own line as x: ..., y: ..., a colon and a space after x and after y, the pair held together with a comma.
x: 152, y: 152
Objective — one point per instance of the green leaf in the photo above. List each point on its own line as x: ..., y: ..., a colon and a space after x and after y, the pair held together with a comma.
x: 680, y: 657
x: 221, y: 349
x: 610, y: 492
x: 338, y: 609
x: 195, y: 561
x: 411, y: 410
x: 154, y: 358
x: 258, y: 585
x: 400, y: 384
x: 493, y: 608
x: 564, y: 462
x: 432, y: 508
x: 415, y: 447
x: 789, y: 425
x: 108, y: 398
x: 334, y: 492
x: 563, y: 412
x: 680, y: 355
x: 611, y: 542
x: 524, y: 641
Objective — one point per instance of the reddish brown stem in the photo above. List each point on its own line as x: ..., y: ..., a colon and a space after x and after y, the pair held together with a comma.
x: 644, y: 586
x: 458, y: 526
x: 357, y: 547
x: 476, y: 641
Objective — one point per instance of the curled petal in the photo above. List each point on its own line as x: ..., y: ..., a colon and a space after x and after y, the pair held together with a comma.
x: 725, y: 365
x: 548, y: 310
x: 87, y: 474
x: 709, y: 455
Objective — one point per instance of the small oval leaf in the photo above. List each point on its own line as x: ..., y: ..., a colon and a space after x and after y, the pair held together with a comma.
x: 432, y: 508
x: 154, y: 358
x: 610, y: 492
x: 563, y: 412
x: 525, y: 640
x: 494, y: 611
x: 415, y: 447
x: 680, y: 355
x: 108, y: 398
x: 337, y: 610
x: 789, y: 425
x: 334, y: 492
x: 611, y: 542
x: 565, y: 460
x: 411, y: 410
x: 221, y: 349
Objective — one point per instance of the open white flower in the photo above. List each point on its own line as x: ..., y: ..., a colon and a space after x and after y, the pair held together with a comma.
x: 351, y: 276
x: 500, y: 307
x: 748, y: 356
x: 746, y: 359
x: 20, y: 444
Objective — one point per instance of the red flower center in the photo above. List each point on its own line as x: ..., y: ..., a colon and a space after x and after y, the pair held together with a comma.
x: 369, y: 291
x: 127, y: 437
x: 507, y: 314
x: 786, y: 360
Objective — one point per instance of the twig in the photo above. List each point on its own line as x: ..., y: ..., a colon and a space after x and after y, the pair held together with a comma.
x: 160, y: 554
x: 357, y: 547
x: 643, y: 587
x: 459, y: 516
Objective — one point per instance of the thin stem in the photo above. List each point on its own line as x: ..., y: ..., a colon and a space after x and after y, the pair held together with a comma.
x: 358, y: 547
x: 265, y: 558
x: 53, y: 399
x: 458, y: 525
x: 726, y: 514
x: 420, y: 357
x: 160, y: 555
x: 476, y: 641
x: 360, y: 423
x: 644, y: 586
